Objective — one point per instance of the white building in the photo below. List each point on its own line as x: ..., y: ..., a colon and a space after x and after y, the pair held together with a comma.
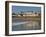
x: 30, y: 14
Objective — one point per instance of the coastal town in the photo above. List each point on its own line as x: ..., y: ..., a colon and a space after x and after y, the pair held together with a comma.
x: 26, y: 13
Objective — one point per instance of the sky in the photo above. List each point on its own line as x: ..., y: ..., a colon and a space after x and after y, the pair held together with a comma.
x: 25, y: 8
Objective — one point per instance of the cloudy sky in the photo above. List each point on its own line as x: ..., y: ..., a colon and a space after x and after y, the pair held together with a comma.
x: 25, y: 8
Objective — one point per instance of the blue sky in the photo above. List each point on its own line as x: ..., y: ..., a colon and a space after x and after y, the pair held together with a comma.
x: 25, y: 8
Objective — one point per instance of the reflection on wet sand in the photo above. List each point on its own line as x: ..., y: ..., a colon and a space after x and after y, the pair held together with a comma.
x: 25, y: 24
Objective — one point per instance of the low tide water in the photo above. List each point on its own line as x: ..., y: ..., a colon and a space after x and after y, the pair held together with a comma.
x: 25, y: 24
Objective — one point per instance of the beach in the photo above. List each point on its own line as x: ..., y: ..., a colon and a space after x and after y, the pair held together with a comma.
x: 26, y: 23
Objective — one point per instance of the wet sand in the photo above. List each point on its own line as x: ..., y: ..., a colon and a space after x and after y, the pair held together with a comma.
x: 26, y: 23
